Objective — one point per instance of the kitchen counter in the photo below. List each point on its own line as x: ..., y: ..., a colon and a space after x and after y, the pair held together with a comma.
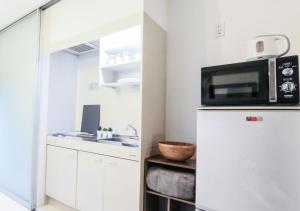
x: 102, y: 147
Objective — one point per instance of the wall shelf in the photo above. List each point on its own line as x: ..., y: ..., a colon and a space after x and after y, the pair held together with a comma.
x: 171, y: 198
x: 120, y: 58
x: 120, y: 84
x: 128, y: 66
x: 158, y: 159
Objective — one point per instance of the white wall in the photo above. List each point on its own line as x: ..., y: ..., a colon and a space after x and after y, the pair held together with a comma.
x: 62, y: 92
x: 184, y: 61
x: 12, y: 10
x: 157, y: 10
x: 192, y: 43
x: 69, y: 19
x: 245, y: 20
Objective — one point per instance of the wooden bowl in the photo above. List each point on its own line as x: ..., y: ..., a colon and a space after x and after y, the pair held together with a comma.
x: 176, y: 151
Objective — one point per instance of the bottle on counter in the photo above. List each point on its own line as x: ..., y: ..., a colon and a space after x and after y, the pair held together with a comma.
x: 99, y: 133
x: 109, y: 133
x: 104, y: 133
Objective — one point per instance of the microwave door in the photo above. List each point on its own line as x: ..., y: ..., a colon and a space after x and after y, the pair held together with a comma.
x: 239, y: 84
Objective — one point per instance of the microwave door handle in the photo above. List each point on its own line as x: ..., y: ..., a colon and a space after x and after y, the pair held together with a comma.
x: 272, y: 81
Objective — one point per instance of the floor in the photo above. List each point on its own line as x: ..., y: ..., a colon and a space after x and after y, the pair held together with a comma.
x: 47, y: 208
x: 7, y: 204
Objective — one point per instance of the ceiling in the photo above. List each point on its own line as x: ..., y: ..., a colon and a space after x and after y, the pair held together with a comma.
x: 12, y: 10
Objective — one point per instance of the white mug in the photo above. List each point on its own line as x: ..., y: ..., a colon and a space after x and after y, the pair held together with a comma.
x: 265, y: 46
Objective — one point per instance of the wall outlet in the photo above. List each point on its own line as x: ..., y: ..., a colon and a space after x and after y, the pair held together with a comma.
x: 220, y: 30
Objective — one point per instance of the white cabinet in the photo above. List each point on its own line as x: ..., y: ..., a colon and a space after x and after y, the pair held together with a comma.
x: 120, y: 58
x: 61, y: 174
x: 90, y: 182
x: 121, y: 185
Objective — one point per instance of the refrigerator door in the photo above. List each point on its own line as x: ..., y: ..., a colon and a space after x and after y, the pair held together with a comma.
x: 248, y: 165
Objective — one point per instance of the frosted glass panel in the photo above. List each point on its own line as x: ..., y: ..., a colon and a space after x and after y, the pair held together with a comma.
x: 18, y: 68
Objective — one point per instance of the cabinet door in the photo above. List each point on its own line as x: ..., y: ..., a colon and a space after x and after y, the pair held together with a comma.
x: 121, y: 185
x: 61, y: 174
x: 90, y: 182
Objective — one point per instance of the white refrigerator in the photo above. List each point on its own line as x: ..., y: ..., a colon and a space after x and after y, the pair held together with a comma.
x: 248, y: 160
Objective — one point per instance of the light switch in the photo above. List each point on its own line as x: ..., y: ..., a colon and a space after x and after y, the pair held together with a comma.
x: 220, y: 29
x: 93, y: 86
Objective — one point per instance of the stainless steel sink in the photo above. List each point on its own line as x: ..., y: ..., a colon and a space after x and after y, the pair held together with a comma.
x: 129, y: 141
x: 116, y: 139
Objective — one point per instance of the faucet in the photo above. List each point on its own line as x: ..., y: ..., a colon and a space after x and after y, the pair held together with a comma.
x: 134, y: 129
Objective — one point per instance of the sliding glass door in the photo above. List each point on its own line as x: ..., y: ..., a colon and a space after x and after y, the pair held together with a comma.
x: 18, y: 108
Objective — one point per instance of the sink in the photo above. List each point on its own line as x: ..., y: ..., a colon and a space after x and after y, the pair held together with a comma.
x: 116, y: 139
x: 127, y: 144
x: 122, y: 140
x: 128, y: 141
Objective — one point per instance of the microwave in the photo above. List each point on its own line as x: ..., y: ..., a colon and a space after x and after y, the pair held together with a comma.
x: 263, y: 82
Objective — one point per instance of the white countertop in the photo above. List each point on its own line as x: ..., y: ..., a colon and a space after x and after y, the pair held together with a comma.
x: 104, y: 148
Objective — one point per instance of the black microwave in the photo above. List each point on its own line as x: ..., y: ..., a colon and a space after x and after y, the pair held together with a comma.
x: 264, y: 82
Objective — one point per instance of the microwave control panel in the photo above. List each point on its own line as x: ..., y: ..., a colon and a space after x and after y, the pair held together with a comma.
x: 287, y: 80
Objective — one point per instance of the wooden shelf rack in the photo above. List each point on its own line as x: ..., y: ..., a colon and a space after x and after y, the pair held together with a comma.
x: 159, y: 202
